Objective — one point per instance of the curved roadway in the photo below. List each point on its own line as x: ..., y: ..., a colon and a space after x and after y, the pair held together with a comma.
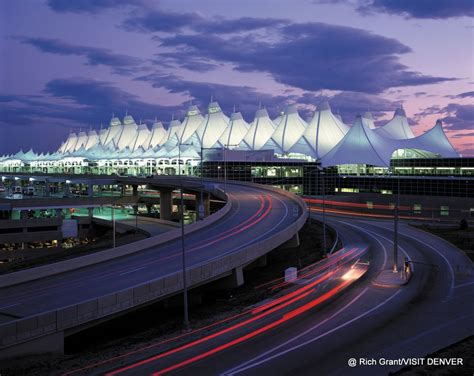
x: 434, y: 310
x: 255, y: 215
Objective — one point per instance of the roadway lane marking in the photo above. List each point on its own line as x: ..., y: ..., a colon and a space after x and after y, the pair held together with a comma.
x: 132, y: 271
x: 464, y: 284
x: 450, y: 267
x: 374, y: 234
x: 265, y: 360
x: 237, y: 369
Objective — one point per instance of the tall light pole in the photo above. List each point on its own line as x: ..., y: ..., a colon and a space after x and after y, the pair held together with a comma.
x: 183, y: 250
x: 113, y: 224
x: 324, y: 214
x: 225, y: 164
x: 395, y: 226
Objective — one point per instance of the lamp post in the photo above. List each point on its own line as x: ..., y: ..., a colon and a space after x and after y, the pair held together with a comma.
x: 324, y: 213
x: 395, y: 226
x: 225, y: 163
x: 183, y: 251
x: 113, y: 225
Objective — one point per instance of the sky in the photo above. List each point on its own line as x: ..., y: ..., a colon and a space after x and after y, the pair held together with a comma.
x: 69, y: 65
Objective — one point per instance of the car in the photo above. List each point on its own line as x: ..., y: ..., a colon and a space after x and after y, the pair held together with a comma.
x: 29, y: 191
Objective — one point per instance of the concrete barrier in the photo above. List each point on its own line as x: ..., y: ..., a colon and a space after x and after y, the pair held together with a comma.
x: 28, y: 329
x: 128, y: 249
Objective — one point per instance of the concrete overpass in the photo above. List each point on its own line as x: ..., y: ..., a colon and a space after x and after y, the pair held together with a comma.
x: 39, y: 307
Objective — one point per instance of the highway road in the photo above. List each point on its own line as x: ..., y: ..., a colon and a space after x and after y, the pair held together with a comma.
x: 255, y: 215
x: 434, y: 310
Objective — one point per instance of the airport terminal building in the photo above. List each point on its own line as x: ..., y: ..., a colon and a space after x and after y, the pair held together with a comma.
x: 287, y: 152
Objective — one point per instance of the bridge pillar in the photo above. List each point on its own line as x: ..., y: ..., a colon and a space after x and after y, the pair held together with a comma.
x: 135, y: 190
x: 292, y: 243
x: 47, y: 189
x: 66, y: 189
x: 148, y: 208
x: 166, y: 204
x: 236, y: 279
x: 90, y: 190
x: 90, y: 212
x: 262, y: 261
x: 203, y: 207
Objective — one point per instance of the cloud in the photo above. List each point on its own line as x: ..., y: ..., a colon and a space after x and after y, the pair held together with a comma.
x: 82, y: 103
x: 170, y: 22
x: 424, y: 9
x: 121, y: 64
x: 468, y: 94
x: 306, y: 56
x: 246, y: 98
x: 459, y: 116
x: 91, y: 6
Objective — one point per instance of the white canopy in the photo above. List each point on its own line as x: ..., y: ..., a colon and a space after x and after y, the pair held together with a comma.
x: 288, y: 132
x: 92, y: 139
x: 259, y: 132
x: 235, y: 131
x: 397, y: 128
x: 212, y: 126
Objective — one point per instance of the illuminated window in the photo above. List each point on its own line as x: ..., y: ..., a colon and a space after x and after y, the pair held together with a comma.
x: 444, y: 210
x: 417, y: 209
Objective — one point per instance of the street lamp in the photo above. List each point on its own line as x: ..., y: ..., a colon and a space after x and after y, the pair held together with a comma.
x: 225, y: 163
x: 395, y: 226
x: 183, y: 251
x: 321, y: 173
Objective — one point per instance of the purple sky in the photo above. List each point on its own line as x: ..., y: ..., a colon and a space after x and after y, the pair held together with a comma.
x: 71, y: 64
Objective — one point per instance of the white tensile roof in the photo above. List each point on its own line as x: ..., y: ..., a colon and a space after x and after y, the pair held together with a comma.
x: 140, y: 138
x: 288, y: 132
x: 325, y: 137
x: 361, y: 145
x: 212, y: 126
x: 113, y: 132
x: 369, y: 119
x: 127, y: 132
x: 397, y: 128
x: 171, y: 139
x: 103, y: 135
x: 433, y: 140
x: 324, y: 131
x: 191, y: 122
x: 92, y: 139
x: 71, y: 143
x: 157, y: 136
x: 235, y: 131
x: 259, y: 132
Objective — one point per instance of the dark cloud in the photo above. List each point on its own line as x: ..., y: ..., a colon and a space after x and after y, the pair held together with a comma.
x: 459, y: 116
x: 464, y: 135
x: 468, y: 94
x: 245, y: 98
x: 170, y: 22
x: 91, y: 6
x: 427, y: 9
x: 122, y: 64
x: 90, y: 103
x: 306, y: 56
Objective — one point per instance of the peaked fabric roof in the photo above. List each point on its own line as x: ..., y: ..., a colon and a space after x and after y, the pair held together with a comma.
x: 157, y: 136
x: 235, y: 131
x: 324, y: 131
x: 212, y: 126
x: 259, y: 132
x: 397, y: 128
x: 191, y: 122
x: 369, y: 119
x: 288, y: 131
x: 360, y: 145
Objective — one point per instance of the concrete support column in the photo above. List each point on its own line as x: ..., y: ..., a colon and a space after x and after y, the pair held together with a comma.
x: 135, y: 209
x: 90, y: 212
x: 23, y: 214
x: 47, y: 189
x: 148, y: 208
x: 204, y: 204
x: 59, y: 213
x: 67, y: 189
x: 135, y: 190
x: 234, y: 280
x: 166, y: 204
x: 262, y: 261
x: 90, y: 190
